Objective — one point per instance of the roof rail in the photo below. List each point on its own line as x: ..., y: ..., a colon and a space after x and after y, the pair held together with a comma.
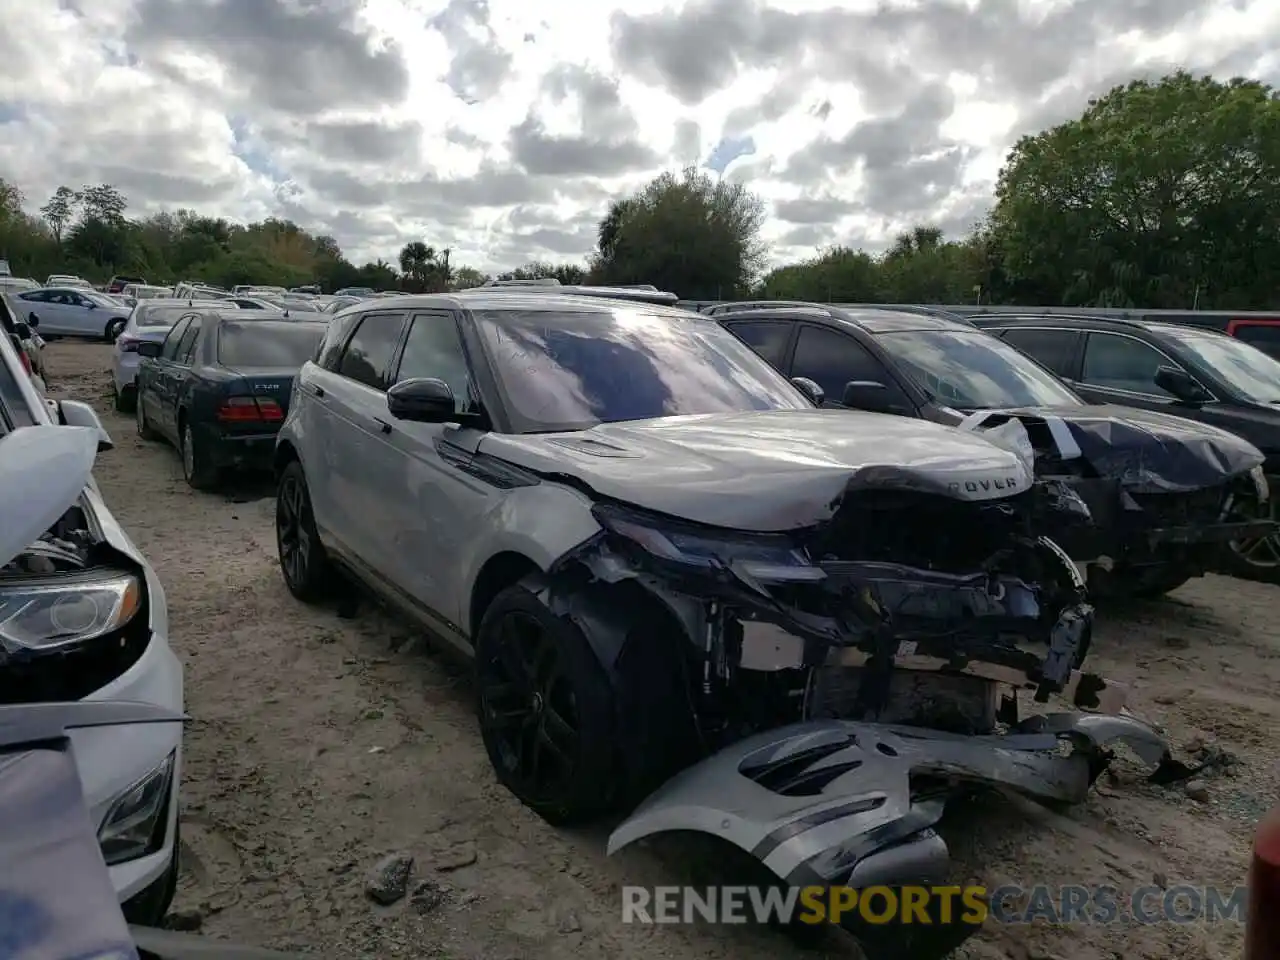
x: 532, y: 282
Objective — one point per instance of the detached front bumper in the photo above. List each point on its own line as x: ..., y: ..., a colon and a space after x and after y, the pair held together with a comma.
x: 842, y: 804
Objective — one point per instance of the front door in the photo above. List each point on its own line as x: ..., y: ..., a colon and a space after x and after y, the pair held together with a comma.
x: 441, y: 496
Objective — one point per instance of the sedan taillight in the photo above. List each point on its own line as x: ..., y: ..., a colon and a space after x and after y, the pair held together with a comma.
x: 250, y: 410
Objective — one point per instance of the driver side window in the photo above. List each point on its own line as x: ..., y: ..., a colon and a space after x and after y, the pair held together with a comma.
x: 1123, y: 363
x: 831, y: 359
x: 434, y: 349
x: 170, y: 348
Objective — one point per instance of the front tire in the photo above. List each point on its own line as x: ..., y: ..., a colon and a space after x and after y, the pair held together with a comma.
x: 306, y: 569
x: 197, y: 469
x: 546, y: 710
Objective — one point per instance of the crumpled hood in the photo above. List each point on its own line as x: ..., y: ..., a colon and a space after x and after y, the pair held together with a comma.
x: 768, y: 470
x: 43, y: 471
x: 1149, y: 451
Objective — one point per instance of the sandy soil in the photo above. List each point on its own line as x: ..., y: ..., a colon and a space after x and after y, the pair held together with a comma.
x: 318, y: 745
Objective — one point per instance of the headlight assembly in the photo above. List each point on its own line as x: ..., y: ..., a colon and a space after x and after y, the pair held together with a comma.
x: 761, y: 556
x: 48, y: 614
x: 135, y: 825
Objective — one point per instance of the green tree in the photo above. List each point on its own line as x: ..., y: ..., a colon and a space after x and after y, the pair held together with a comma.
x: 694, y: 234
x: 566, y: 273
x: 59, y: 210
x: 1163, y: 194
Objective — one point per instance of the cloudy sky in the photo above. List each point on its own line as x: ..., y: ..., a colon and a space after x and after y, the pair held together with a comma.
x: 501, y: 129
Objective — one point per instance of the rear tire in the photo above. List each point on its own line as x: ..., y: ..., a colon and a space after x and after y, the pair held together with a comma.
x: 140, y: 418
x: 546, y: 710
x: 197, y: 469
x: 306, y: 568
x: 114, y: 328
x: 125, y: 400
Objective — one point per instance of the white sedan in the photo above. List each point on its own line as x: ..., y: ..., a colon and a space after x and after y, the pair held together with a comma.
x: 83, y: 617
x: 73, y: 312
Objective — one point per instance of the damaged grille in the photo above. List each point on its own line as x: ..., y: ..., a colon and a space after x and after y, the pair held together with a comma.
x: 1182, y: 509
x: 921, y: 530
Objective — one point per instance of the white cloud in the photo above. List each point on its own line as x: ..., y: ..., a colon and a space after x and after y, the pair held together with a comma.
x: 393, y: 120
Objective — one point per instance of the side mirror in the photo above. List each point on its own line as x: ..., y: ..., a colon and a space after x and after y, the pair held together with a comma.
x: 91, y: 305
x: 33, y: 322
x: 1181, y: 384
x: 869, y: 395
x: 810, y: 389
x: 422, y: 399
x: 23, y: 330
x: 149, y: 348
x: 73, y: 413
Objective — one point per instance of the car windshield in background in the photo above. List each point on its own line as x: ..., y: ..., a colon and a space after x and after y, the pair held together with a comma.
x: 266, y: 344
x: 158, y: 315
x: 1252, y: 372
x: 572, y: 370
x: 975, y: 371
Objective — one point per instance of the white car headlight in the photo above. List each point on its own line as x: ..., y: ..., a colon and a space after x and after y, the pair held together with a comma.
x: 135, y: 825
x: 46, y: 614
x: 1260, y: 483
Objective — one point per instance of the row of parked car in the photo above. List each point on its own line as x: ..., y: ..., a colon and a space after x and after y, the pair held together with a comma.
x: 662, y: 538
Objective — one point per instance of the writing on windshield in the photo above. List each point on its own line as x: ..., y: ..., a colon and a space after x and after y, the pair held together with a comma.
x: 568, y: 370
x: 975, y: 371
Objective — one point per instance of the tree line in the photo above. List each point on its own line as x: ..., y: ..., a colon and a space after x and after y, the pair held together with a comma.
x: 1162, y: 194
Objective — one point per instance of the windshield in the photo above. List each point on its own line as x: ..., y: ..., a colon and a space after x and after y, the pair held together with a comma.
x: 263, y: 344
x: 975, y: 371
x: 1252, y: 373
x: 573, y: 370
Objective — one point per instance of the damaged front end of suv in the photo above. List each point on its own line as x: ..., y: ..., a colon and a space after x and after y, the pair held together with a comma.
x: 819, y: 692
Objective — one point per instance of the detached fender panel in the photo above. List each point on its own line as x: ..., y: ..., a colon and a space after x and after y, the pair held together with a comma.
x: 839, y: 802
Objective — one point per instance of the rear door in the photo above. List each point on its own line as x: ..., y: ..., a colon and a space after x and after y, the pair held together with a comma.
x: 365, y: 473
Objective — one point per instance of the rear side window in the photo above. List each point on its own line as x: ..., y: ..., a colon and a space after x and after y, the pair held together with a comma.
x: 765, y: 337
x: 1054, y: 349
x: 367, y: 358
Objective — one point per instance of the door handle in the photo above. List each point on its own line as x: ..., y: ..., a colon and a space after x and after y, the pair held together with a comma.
x: 316, y: 391
x: 382, y: 424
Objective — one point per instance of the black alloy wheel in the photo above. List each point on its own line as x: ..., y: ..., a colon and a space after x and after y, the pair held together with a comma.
x: 302, y: 559
x: 545, y: 710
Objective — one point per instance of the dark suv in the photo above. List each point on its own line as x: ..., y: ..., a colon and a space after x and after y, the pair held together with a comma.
x: 1193, y: 371
x: 1161, y: 494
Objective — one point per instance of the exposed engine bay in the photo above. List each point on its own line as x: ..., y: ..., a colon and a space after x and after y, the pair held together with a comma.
x: 67, y: 546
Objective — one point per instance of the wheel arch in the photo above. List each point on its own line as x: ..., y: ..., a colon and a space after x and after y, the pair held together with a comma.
x: 285, y: 453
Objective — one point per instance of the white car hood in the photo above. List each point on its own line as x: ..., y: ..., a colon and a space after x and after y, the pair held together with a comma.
x: 43, y: 471
x: 769, y: 470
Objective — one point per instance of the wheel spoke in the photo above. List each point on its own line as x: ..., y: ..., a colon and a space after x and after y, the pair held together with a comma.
x: 558, y: 732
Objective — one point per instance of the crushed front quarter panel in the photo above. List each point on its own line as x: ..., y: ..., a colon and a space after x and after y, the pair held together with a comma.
x: 839, y: 802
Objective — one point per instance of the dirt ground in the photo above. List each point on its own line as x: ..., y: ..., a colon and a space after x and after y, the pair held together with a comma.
x: 318, y: 745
